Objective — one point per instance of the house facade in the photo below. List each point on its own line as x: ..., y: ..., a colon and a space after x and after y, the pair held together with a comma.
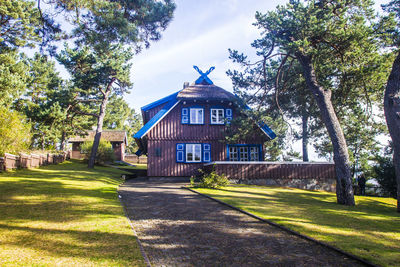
x: 118, y: 140
x: 187, y: 129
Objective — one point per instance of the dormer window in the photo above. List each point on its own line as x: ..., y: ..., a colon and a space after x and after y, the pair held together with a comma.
x: 196, y: 116
x: 217, y: 116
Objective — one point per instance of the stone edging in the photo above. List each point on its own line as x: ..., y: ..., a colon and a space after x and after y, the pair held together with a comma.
x: 146, y: 259
x: 367, y: 263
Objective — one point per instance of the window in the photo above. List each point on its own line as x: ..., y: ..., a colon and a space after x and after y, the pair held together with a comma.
x: 158, y: 152
x: 196, y: 116
x: 254, y: 156
x: 193, y: 152
x: 233, y: 153
x: 244, y: 152
x: 217, y: 116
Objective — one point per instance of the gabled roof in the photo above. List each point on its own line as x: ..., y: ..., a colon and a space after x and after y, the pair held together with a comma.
x: 108, y: 135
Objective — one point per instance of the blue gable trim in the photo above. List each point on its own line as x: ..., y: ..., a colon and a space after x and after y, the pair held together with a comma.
x: 153, y: 121
x: 160, y: 101
x: 264, y: 127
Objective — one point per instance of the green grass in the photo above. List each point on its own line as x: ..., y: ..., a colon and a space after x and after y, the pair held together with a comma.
x: 64, y: 215
x: 370, y: 230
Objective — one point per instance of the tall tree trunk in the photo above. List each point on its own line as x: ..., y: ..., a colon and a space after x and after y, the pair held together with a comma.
x: 344, y: 186
x: 62, y: 141
x: 99, y: 128
x: 304, y: 119
x: 391, y: 105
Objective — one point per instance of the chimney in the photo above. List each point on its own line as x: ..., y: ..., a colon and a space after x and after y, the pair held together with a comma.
x: 185, y: 84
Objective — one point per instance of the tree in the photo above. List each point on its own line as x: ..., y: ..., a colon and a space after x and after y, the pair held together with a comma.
x: 331, y: 43
x: 14, y: 132
x: 17, y: 29
x: 120, y: 116
x: 392, y: 92
x: 99, y: 63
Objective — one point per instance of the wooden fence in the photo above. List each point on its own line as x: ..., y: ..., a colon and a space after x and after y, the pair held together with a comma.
x: 10, y: 161
x: 307, y: 175
x: 135, y: 159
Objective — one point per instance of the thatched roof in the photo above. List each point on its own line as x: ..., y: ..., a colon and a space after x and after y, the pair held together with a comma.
x: 205, y: 92
x: 108, y: 135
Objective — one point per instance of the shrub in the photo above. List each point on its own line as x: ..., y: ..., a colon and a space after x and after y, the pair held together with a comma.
x: 210, y: 180
x: 104, y: 154
x: 385, y: 175
x: 14, y: 132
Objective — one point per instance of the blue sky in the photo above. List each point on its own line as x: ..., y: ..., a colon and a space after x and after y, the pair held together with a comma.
x: 200, y: 34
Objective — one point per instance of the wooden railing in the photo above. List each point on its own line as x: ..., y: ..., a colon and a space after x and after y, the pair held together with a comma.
x: 10, y: 161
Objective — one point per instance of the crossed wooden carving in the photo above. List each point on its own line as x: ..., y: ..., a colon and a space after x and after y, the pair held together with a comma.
x: 203, y: 76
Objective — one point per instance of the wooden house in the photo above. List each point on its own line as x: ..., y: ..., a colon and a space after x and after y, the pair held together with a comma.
x: 187, y: 129
x: 118, y: 140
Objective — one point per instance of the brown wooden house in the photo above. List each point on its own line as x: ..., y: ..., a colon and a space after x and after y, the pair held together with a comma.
x: 186, y: 130
x: 118, y: 140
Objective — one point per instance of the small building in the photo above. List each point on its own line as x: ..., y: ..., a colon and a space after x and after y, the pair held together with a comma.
x: 187, y: 129
x: 118, y: 140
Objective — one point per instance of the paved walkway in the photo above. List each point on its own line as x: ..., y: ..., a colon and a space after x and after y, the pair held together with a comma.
x: 180, y: 228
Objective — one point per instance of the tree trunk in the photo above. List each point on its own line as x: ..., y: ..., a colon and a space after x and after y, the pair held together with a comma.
x: 304, y: 119
x: 99, y: 128
x: 62, y: 141
x: 344, y: 186
x: 391, y: 105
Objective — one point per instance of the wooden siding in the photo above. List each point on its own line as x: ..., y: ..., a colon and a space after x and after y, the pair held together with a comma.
x: 148, y: 114
x: 273, y: 170
x: 170, y: 131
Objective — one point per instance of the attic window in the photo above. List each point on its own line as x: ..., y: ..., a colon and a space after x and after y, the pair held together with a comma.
x: 217, y: 116
x: 196, y: 116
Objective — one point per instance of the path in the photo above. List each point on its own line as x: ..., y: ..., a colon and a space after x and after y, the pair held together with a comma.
x: 180, y: 228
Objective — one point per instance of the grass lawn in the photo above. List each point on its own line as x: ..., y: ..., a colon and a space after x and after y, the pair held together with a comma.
x: 64, y: 215
x: 370, y: 230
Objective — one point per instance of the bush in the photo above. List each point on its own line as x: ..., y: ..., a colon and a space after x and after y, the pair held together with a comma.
x: 210, y: 180
x: 14, y: 132
x: 104, y: 154
x: 385, y: 175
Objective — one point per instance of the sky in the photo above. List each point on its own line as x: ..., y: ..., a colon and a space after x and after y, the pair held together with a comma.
x: 200, y: 34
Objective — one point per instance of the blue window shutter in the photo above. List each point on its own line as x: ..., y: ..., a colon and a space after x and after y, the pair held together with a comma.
x: 185, y: 116
x: 180, y: 153
x: 228, y: 114
x: 206, y: 153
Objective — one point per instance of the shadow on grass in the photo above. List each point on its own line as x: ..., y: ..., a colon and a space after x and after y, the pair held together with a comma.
x: 73, y: 243
x: 66, y: 210
x: 367, y: 229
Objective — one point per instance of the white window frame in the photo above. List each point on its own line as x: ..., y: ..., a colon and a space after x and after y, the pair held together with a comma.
x: 244, y: 153
x: 191, y: 148
x: 233, y: 153
x: 194, y: 116
x: 254, y: 153
x: 218, y: 117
